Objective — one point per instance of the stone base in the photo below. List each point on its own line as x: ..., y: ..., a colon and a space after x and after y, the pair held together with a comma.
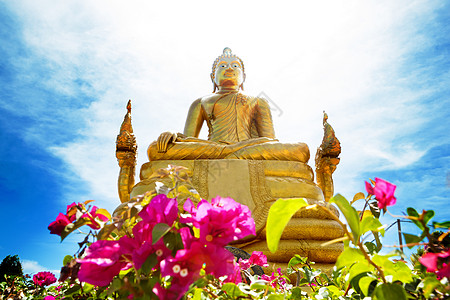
x: 258, y: 184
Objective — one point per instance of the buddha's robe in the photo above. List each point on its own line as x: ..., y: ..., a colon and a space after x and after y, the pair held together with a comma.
x: 240, y: 127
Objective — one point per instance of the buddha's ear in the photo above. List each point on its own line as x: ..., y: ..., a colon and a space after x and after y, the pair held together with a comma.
x: 242, y: 84
x: 214, y: 84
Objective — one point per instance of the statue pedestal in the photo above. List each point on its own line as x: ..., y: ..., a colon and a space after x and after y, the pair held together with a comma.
x: 258, y: 184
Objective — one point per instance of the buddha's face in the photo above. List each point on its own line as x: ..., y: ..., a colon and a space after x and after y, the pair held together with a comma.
x: 229, y: 73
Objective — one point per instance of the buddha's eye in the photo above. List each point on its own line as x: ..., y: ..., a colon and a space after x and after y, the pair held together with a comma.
x: 235, y: 66
x: 223, y: 66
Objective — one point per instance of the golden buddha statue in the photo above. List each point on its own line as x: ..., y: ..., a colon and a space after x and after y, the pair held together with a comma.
x: 242, y: 159
x: 240, y: 126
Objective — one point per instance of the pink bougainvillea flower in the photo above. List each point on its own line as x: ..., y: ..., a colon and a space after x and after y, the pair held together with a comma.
x: 185, y: 267
x: 160, y: 210
x: 383, y: 192
x: 49, y: 298
x: 44, y: 278
x: 214, y: 258
x: 258, y: 258
x: 57, y: 227
x: 431, y: 262
x: 272, y: 279
x: 235, y: 276
x: 275, y: 279
x: 93, y: 215
x: 102, y: 262
x: 221, y: 221
x: 140, y: 246
x: 244, y: 264
x: 175, y: 291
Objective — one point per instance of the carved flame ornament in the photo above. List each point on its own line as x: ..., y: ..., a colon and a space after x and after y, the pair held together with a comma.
x: 327, y: 159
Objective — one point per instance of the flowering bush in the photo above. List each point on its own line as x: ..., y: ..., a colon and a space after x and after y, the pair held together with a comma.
x: 170, y: 244
x: 44, y: 278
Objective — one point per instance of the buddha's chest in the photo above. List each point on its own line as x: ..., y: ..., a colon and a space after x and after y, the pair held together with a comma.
x: 237, y: 106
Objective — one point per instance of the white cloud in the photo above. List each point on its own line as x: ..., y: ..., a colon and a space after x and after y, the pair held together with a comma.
x: 345, y: 58
x: 32, y: 267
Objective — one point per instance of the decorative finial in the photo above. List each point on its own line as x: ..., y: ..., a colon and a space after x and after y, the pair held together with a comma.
x: 126, y: 124
x: 227, y: 52
x: 129, y: 106
x: 325, y: 117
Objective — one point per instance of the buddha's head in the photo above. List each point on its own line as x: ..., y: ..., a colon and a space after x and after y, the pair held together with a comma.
x: 228, y: 72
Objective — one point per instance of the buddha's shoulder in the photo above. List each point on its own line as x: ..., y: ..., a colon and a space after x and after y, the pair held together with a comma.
x: 211, y: 98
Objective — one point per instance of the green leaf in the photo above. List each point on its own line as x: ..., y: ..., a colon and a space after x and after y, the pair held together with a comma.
x: 429, y: 284
x: 296, y: 293
x: 275, y: 297
x: 411, y: 239
x: 334, y: 290
x: 197, y: 294
x: 360, y: 268
x: 159, y: 231
x: 389, y: 291
x: 413, y: 213
x: 87, y: 287
x: 377, y: 240
x: 232, y: 290
x: 279, y: 215
x: 149, y: 263
x: 402, y: 272
x: 73, y: 289
x: 258, y: 286
x: 398, y: 270
x: 67, y: 259
x: 445, y: 224
x: 350, y: 256
x: 349, y: 213
x: 309, y: 274
x: 201, y: 283
x: 370, y: 223
x: 371, y: 247
x: 428, y: 215
x: 297, y: 259
x: 364, y: 284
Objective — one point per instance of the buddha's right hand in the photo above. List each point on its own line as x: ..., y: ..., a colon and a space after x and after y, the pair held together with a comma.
x: 163, y: 141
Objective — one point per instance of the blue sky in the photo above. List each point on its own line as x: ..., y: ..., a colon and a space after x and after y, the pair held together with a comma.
x: 380, y: 69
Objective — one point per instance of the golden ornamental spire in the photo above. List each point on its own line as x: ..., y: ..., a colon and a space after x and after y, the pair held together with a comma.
x: 126, y: 151
x: 327, y: 159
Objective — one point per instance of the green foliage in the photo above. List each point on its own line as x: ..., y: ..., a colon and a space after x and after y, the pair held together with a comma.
x: 364, y: 270
x: 389, y: 291
x: 279, y: 215
x: 350, y: 215
x: 10, y: 266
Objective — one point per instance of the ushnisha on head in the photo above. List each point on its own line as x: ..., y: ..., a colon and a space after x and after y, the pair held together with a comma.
x: 228, y: 72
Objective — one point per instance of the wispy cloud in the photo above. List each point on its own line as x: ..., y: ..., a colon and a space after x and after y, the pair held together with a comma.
x: 31, y: 267
x: 360, y: 62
